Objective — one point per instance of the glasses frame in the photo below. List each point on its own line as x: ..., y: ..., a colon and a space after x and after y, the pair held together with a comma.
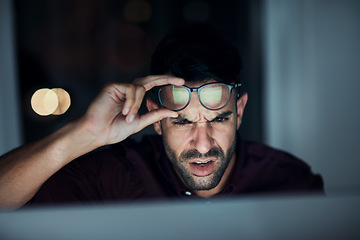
x: 198, y: 89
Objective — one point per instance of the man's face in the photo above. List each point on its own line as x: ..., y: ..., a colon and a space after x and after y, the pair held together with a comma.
x: 200, y: 143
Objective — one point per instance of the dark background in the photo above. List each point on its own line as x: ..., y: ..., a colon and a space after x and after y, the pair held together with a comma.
x: 81, y: 45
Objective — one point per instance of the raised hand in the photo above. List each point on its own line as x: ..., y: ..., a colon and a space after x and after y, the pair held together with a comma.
x: 113, y: 116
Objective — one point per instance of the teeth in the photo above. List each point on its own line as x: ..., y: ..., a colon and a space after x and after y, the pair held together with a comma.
x: 202, y: 162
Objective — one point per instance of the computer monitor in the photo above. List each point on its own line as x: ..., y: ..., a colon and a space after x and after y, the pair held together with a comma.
x: 276, y: 217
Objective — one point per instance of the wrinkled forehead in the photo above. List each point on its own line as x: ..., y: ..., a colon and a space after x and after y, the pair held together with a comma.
x: 195, y: 84
x: 195, y: 112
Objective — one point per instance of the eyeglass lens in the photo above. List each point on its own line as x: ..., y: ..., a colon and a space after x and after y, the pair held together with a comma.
x: 212, y: 96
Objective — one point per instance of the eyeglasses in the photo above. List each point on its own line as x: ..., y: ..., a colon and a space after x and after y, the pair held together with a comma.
x: 212, y: 96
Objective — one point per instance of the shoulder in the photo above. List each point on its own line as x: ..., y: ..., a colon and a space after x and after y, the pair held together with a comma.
x: 263, y: 153
x: 278, y: 169
x: 115, y: 172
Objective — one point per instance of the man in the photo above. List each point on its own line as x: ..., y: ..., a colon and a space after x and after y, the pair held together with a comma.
x: 196, y: 106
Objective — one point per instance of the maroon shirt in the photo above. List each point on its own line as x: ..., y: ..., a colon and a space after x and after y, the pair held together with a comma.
x: 130, y: 171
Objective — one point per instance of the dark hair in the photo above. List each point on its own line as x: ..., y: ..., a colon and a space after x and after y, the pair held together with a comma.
x: 197, y: 52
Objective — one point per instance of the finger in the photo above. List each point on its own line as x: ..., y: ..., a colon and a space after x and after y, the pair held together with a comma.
x: 138, y: 98
x: 158, y: 80
x: 129, y: 93
x: 154, y: 116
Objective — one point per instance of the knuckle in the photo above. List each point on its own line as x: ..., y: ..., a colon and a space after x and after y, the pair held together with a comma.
x: 130, y: 98
x: 137, y: 80
x: 140, y: 89
x: 109, y: 85
x: 141, y: 81
x: 130, y: 91
x: 130, y: 86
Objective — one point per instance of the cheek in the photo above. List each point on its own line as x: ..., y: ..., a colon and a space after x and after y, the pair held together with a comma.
x: 224, y: 136
x: 177, y: 139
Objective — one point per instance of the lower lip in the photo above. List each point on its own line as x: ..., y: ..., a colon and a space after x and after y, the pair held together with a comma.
x: 202, y: 170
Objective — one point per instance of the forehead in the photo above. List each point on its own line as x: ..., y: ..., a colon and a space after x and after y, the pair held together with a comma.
x: 192, y: 84
x: 196, y: 112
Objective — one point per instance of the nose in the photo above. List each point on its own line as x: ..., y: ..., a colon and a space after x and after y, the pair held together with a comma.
x: 202, y: 138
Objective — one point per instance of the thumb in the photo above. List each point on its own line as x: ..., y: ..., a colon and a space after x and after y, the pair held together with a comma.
x: 154, y: 116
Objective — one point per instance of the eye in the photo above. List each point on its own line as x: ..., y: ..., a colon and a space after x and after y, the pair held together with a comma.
x: 182, y: 122
x: 219, y: 119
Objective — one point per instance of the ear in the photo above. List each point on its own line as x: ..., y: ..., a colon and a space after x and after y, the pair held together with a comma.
x: 240, y: 104
x: 153, y: 106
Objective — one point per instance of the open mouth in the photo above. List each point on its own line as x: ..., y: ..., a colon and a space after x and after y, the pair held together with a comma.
x: 202, y: 168
x: 202, y: 164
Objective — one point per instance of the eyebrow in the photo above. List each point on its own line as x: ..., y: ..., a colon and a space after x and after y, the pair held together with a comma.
x: 220, y: 115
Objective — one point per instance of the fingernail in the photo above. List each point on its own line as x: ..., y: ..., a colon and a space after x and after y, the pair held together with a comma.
x: 126, y: 111
x: 131, y: 118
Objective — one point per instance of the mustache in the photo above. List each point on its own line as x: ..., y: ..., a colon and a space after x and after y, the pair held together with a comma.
x: 213, y: 152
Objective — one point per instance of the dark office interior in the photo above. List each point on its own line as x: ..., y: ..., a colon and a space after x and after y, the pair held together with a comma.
x: 81, y: 45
